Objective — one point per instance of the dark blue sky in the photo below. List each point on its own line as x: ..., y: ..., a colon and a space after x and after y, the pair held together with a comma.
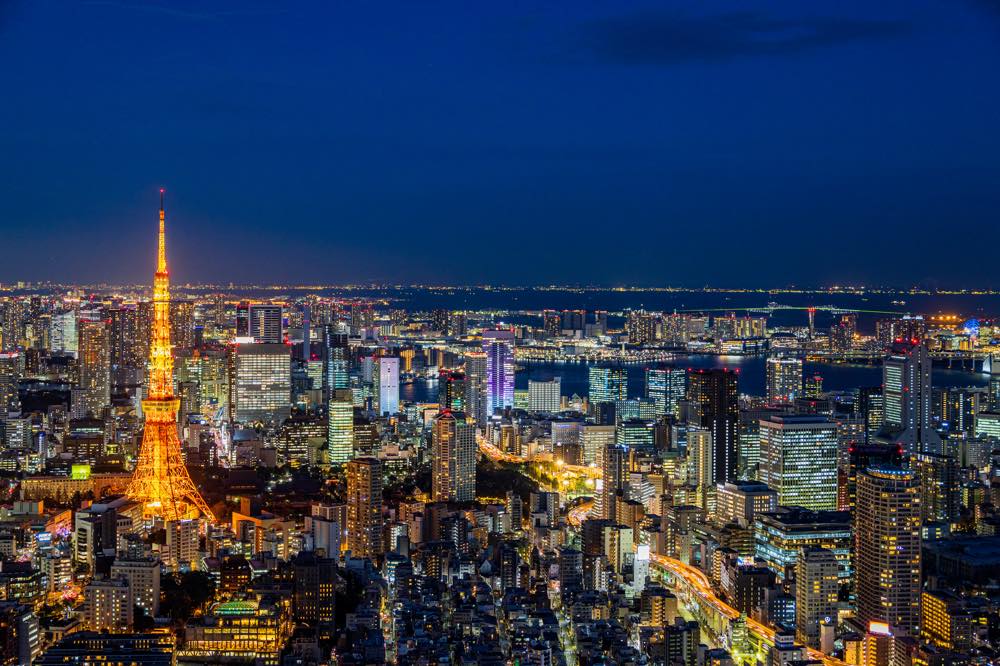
x: 723, y: 143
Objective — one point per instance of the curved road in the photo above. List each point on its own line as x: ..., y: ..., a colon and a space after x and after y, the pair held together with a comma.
x: 699, y: 583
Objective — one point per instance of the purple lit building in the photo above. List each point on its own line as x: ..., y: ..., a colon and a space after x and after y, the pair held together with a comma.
x: 499, y: 348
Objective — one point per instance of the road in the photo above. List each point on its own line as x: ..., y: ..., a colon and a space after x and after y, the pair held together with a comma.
x: 700, y: 583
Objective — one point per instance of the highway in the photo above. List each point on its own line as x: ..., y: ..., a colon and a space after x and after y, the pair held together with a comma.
x: 699, y: 582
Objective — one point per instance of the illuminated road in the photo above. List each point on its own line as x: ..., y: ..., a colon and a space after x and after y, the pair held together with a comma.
x: 495, y: 454
x: 699, y: 582
x: 578, y: 514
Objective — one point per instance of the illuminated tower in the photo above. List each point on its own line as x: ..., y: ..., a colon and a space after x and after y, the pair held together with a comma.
x: 161, y: 481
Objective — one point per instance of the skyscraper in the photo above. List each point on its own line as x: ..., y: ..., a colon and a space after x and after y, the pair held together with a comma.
x: 364, y: 507
x: 95, y: 368
x: 817, y: 585
x: 10, y: 376
x: 614, y: 480
x: 798, y: 459
x: 386, y: 376
x: 453, y: 472
x: 666, y: 387
x: 264, y: 323
x: 499, y: 348
x: 161, y: 483
x: 784, y: 379
x: 335, y: 359
x: 475, y: 387
x: 340, y: 426
x: 887, y: 547
x: 907, y: 396
x: 262, y: 383
x: 606, y: 384
x: 716, y: 397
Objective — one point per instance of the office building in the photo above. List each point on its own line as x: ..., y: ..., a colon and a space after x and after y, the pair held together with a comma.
x: 364, y: 507
x: 907, y: 399
x: 262, y: 383
x: 780, y: 536
x: 452, y: 391
x: 887, y: 547
x: 476, y: 399
x: 386, y: 376
x: 265, y: 323
x: 714, y: 394
x: 739, y: 502
x: 798, y: 460
x: 666, y: 387
x: 340, y: 427
x: 606, y: 384
x: 499, y: 349
x: 453, y: 470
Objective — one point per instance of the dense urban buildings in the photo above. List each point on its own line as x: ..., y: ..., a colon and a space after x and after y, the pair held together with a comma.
x: 327, y: 478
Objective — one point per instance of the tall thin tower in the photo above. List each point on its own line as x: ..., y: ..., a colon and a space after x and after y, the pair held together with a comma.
x: 161, y: 481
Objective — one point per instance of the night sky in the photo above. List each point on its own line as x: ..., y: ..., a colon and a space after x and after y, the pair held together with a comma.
x: 723, y: 143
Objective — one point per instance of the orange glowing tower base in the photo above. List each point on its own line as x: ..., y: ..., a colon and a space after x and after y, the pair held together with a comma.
x: 161, y: 482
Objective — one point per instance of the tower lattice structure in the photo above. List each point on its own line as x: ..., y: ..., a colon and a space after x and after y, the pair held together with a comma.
x: 161, y: 482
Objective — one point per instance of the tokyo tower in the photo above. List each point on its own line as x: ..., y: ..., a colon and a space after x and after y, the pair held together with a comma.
x: 161, y: 482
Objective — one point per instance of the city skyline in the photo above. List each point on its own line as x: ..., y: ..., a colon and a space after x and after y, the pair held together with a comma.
x: 699, y: 132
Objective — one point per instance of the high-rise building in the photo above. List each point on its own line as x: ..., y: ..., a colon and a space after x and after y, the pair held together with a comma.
x: 453, y: 471
x: 499, y: 348
x: 907, y: 398
x: 593, y: 441
x: 641, y: 327
x: 95, y: 368
x: 817, y: 585
x: 887, y: 547
x: 544, y: 396
x: 606, y: 384
x: 798, y: 459
x: 386, y: 376
x: 10, y: 377
x: 62, y: 333
x: 335, y: 360
x: 182, y: 324
x: 364, y: 507
x: 340, y: 426
x: 843, y: 332
x: 123, y: 330
x: 784, y: 379
x: 715, y: 395
x: 940, y: 490
x: 262, y: 383
x: 475, y: 388
x: 180, y: 551
x: 615, y: 475
x: 666, y: 387
x: 701, y: 464
x: 264, y: 321
x: 143, y: 577
x: 452, y: 390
